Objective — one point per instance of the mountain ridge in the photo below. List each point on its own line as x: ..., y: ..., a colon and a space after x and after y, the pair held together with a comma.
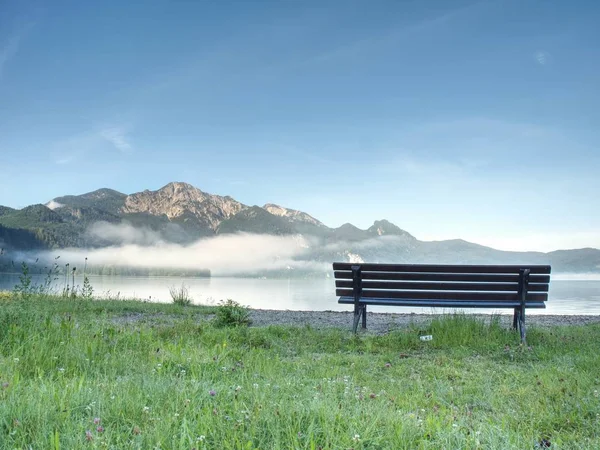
x: 181, y: 213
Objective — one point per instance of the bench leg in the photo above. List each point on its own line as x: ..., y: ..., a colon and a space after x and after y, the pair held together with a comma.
x: 522, y: 326
x: 364, y: 317
x: 516, y: 318
x: 357, y: 312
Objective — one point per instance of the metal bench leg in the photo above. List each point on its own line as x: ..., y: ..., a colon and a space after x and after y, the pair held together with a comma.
x: 522, y: 326
x: 516, y: 318
x: 364, y: 317
x: 357, y: 312
x: 523, y: 287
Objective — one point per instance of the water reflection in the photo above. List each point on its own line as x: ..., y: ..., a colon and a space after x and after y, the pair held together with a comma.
x: 566, y: 296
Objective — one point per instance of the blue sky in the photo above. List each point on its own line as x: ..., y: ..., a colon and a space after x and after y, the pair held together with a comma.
x: 474, y: 120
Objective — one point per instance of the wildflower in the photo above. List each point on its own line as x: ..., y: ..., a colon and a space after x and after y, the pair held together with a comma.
x: 212, y: 393
x: 372, y: 395
x: 16, y: 360
x: 356, y: 438
x: 96, y: 420
x: 99, y: 429
x: 88, y: 435
x: 388, y: 365
x: 5, y: 385
x: 136, y: 430
x: 200, y: 438
x: 146, y: 409
x: 61, y: 369
x: 255, y: 385
x: 238, y: 388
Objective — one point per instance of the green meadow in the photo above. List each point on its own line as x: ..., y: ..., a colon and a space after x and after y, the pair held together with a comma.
x: 92, y: 373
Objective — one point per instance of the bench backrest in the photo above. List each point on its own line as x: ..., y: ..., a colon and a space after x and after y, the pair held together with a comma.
x: 493, y: 283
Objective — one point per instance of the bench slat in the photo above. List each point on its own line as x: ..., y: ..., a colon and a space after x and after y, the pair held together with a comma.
x: 433, y: 286
x: 444, y: 268
x: 474, y: 277
x: 441, y: 303
x: 432, y: 295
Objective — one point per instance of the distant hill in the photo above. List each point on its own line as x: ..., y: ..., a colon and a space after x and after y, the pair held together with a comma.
x: 106, y: 200
x: 181, y: 213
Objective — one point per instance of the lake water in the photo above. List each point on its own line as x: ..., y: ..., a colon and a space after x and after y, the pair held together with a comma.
x: 567, y: 296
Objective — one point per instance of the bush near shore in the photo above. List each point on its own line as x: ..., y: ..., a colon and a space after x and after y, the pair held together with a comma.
x: 88, y: 373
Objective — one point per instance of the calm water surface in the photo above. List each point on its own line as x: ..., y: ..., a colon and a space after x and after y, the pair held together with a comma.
x: 567, y: 296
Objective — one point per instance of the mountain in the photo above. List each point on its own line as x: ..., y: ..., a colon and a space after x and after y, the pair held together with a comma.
x: 292, y: 215
x: 18, y: 238
x: 386, y: 228
x: 185, y: 205
x: 181, y: 213
x: 102, y: 199
x: 6, y: 210
x: 258, y: 221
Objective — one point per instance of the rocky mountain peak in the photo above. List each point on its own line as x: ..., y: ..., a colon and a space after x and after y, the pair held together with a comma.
x: 176, y: 200
x: 385, y: 227
x: 292, y: 214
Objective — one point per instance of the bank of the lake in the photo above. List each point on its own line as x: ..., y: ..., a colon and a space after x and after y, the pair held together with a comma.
x: 123, y: 374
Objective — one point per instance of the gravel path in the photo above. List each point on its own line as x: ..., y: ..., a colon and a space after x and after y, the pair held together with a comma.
x: 384, y: 322
x: 377, y: 323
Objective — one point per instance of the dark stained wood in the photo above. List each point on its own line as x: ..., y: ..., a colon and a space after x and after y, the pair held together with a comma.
x: 442, y: 303
x: 443, y: 286
x: 459, y: 277
x: 433, y: 286
x: 444, y: 268
x: 441, y: 295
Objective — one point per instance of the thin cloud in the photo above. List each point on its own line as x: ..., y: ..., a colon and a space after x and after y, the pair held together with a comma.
x: 396, y: 34
x: 10, y: 48
x: 542, y: 58
x: 117, y: 136
x: 77, y: 146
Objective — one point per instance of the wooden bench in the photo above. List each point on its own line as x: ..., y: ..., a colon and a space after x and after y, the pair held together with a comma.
x: 442, y: 286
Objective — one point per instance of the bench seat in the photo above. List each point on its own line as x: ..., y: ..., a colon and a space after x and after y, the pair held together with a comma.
x: 440, y: 303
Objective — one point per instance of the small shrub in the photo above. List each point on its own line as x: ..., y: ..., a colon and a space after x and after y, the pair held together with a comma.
x: 181, y: 296
x: 87, y: 291
x: 231, y: 314
x: 25, y: 288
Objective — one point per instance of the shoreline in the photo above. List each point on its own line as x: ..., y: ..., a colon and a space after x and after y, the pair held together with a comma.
x: 378, y: 322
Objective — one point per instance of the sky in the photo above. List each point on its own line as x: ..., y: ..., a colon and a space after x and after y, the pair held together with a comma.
x: 477, y: 120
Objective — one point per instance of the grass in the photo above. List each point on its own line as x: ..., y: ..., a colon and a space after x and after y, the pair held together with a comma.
x: 180, y: 295
x: 73, y: 374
